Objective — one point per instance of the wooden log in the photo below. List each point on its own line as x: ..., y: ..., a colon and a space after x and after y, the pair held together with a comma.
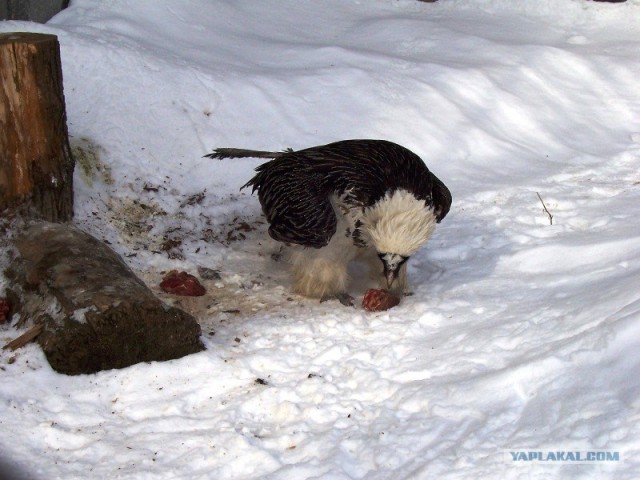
x: 96, y: 314
x: 36, y: 166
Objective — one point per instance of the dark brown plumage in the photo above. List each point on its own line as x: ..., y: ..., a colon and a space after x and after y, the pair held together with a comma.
x: 295, y: 188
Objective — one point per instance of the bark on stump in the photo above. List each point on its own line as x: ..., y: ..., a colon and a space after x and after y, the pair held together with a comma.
x: 96, y: 314
x: 36, y: 166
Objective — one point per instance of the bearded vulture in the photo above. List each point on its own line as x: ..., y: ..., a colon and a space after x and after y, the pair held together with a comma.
x: 353, y: 198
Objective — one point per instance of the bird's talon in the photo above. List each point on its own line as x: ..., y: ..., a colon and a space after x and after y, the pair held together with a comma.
x: 344, y: 298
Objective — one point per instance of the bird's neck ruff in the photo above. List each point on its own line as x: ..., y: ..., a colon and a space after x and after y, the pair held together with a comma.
x: 399, y: 223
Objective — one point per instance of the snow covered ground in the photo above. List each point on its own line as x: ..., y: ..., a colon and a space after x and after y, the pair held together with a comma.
x: 520, y: 336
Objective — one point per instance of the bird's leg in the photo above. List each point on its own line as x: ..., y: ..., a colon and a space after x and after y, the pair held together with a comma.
x: 277, y: 256
x: 343, y: 297
x: 318, y: 275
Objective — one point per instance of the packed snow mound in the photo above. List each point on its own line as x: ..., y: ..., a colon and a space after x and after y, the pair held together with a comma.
x: 522, y: 331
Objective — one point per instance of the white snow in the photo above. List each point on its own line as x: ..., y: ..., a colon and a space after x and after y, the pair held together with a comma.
x: 520, y: 335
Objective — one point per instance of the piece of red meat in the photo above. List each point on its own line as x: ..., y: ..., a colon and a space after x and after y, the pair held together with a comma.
x: 377, y: 300
x: 5, y: 308
x: 182, y: 283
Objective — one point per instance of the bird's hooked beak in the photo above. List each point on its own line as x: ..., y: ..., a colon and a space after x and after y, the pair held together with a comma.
x: 392, y: 262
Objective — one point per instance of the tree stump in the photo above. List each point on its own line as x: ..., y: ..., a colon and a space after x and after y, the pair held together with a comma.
x: 95, y: 313
x: 87, y: 309
x: 36, y: 166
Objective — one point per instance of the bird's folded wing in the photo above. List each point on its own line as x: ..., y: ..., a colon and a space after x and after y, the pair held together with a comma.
x: 298, y: 210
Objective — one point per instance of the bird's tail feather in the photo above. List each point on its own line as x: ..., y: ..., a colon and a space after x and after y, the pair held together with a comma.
x: 221, y: 153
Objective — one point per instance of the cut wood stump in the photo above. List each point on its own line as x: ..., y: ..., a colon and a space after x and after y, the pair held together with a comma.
x: 84, y: 306
x: 95, y: 313
x: 36, y: 166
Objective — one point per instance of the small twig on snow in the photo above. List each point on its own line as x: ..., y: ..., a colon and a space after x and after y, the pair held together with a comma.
x: 25, y: 338
x: 546, y: 209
